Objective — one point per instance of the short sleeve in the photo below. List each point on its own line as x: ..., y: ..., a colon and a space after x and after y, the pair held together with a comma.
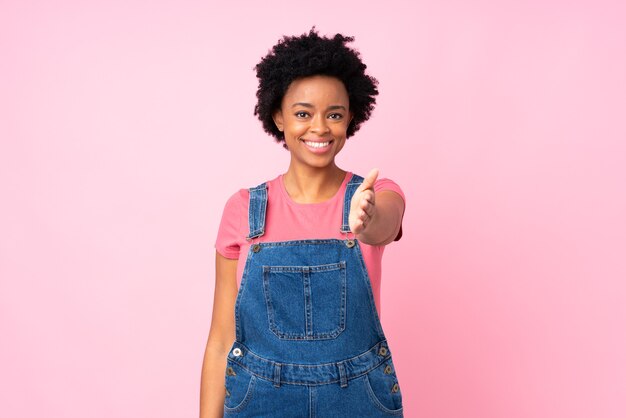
x: 229, y: 232
x: 388, y: 184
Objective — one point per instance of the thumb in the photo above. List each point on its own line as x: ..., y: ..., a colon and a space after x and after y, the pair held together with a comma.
x: 370, y: 179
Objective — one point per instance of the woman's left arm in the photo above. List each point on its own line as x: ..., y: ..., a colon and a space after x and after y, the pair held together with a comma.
x: 375, y: 217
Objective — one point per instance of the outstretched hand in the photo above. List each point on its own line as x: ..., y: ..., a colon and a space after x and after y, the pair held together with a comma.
x: 362, y: 206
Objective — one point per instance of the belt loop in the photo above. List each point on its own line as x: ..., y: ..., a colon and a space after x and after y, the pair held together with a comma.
x: 277, y: 375
x: 342, y: 374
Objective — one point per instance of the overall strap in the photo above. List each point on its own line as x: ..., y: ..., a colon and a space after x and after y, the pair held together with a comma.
x: 256, y: 210
x: 351, y: 187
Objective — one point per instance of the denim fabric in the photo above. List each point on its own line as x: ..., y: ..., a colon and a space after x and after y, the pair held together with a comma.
x: 309, y: 342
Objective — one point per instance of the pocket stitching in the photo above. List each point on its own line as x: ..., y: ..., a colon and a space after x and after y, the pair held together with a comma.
x: 340, y: 266
x: 377, y: 403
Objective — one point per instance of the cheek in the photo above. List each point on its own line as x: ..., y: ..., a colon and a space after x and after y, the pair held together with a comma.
x: 297, y: 127
x: 340, y: 145
x: 340, y: 129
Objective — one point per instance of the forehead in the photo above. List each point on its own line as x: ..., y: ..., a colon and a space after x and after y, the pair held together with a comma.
x: 316, y: 89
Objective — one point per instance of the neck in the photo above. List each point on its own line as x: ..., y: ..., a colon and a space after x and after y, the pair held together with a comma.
x: 311, y: 184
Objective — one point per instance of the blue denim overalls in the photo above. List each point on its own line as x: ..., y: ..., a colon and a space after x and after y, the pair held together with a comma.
x: 309, y: 342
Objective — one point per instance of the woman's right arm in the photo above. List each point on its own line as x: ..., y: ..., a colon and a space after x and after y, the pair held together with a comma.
x: 221, y: 338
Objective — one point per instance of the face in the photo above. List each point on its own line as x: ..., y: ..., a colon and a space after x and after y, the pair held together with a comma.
x: 314, y: 116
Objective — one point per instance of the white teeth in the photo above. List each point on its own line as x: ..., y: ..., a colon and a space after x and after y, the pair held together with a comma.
x: 317, y: 144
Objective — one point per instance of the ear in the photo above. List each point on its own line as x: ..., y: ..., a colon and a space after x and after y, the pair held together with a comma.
x: 278, y: 119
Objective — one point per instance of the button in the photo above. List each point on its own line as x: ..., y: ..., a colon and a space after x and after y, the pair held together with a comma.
x: 237, y: 352
x: 230, y: 372
x: 227, y: 392
x: 256, y: 248
x: 382, y: 351
x: 388, y: 369
x: 350, y: 243
x: 395, y: 388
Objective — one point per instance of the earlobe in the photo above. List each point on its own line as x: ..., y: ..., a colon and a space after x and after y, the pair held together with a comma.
x: 278, y: 119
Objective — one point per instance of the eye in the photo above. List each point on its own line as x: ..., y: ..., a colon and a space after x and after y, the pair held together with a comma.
x: 301, y: 114
x: 335, y: 116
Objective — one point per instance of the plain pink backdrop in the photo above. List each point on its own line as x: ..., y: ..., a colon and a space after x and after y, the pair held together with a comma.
x: 125, y: 126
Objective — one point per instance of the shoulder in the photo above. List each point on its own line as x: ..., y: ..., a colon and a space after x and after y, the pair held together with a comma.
x: 236, y: 202
x: 239, y: 196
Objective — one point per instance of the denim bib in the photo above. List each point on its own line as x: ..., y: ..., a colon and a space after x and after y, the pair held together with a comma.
x: 309, y: 341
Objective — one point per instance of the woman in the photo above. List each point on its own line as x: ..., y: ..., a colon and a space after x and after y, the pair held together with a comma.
x: 295, y: 329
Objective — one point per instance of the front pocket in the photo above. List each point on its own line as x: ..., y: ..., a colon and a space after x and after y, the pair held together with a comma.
x: 383, y: 389
x: 239, y: 384
x: 306, y: 302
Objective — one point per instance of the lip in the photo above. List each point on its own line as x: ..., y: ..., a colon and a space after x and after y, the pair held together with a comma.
x: 318, y: 150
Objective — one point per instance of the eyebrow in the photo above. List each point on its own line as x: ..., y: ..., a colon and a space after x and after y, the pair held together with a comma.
x: 309, y: 105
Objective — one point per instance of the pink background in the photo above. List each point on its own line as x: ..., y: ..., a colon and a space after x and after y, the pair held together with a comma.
x: 125, y: 126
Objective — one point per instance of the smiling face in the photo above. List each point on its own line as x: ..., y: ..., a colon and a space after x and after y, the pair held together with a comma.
x: 314, y: 117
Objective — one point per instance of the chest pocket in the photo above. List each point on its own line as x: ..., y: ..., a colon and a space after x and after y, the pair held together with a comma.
x: 306, y: 302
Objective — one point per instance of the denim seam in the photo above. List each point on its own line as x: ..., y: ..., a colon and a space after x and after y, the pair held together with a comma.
x: 382, y: 342
x: 297, y: 269
x: 297, y: 382
x: 310, y: 241
x: 256, y: 210
x: 312, y: 396
x: 351, y: 187
x: 308, y: 308
x: 240, y: 294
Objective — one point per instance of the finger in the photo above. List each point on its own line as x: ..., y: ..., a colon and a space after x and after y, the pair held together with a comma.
x: 365, y: 203
x: 369, y: 196
x: 364, y: 197
x: 358, y: 227
x: 368, y: 209
x: 370, y: 179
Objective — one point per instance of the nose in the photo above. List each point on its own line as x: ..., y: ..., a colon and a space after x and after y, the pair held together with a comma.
x: 319, y: 125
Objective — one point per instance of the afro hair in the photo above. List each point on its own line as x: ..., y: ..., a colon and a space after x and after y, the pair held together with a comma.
x: 307, y: 55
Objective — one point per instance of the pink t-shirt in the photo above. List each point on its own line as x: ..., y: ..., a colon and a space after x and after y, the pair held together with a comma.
x: 288, y: 220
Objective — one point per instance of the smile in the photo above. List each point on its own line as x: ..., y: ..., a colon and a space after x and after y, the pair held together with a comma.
x: 317, y: 147
x: 317, y: 144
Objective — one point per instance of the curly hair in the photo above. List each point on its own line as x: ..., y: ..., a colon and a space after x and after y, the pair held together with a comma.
x: 295, y: 57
